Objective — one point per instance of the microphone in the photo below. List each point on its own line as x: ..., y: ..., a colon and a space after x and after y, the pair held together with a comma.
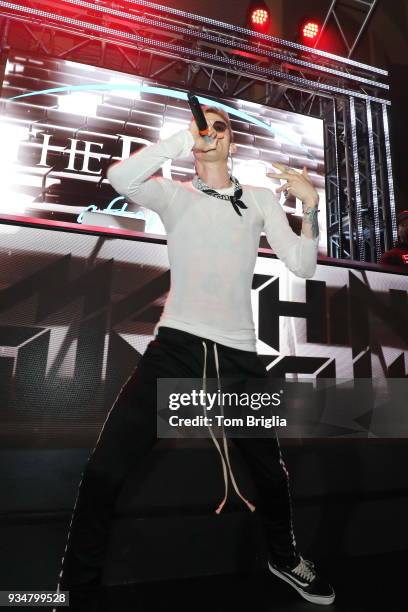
x: 199, y: 116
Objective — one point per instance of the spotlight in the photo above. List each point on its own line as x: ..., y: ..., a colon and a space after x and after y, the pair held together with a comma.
x: 259, y: 16
x: 310, y: 31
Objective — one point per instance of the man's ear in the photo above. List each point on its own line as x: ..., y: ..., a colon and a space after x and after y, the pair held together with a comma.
x: 233, y: 148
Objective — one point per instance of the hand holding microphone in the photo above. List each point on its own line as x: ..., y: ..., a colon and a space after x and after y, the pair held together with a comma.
x: 203, y: 135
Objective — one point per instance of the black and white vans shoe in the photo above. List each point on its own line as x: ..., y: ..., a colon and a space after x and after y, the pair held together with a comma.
x: 304, y: 579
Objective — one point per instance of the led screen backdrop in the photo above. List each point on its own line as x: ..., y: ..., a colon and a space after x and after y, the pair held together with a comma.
x: 56, y: 147
x: 77, y: 311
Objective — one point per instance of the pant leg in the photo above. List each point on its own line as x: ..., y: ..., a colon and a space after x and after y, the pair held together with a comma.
x: 266, y: 464
x: 271, y: 478
x: 128, y: 433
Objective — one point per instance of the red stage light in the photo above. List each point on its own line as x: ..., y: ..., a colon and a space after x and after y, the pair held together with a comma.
x: 310, y: 30
x: 258, y: 16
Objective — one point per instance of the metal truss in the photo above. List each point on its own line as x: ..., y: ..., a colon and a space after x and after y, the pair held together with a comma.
x: 190, y: 52
x: 362, y: 10
x: 359, y: 187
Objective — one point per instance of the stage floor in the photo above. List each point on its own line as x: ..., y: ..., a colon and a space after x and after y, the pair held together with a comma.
x: 362, y: 584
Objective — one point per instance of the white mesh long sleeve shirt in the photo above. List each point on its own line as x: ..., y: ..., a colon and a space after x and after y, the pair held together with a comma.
x: 212, y: 250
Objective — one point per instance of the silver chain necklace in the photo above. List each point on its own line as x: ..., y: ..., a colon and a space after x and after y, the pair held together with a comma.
x: 234, y: 199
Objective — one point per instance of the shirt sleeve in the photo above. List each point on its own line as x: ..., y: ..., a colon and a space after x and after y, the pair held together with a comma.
x: 133, y: 179
x: 298, y: 252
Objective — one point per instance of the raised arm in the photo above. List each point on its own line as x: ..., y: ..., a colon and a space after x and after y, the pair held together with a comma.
x: 133, y: 179
x: 298, y: 252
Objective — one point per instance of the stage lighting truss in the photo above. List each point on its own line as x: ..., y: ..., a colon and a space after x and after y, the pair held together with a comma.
x: 362, y: 11
x: 189, y: 51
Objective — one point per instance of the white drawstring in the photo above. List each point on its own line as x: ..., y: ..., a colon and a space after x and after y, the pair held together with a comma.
x: 224, y: 467
x: 225, y: 443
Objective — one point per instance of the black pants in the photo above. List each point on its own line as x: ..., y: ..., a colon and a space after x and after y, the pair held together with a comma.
x: 130, y: 431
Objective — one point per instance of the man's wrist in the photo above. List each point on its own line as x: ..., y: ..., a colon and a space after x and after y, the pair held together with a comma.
x: 310, y: 211
x: 311, y: 202
x: 186, y: 141
x: 189, y: 137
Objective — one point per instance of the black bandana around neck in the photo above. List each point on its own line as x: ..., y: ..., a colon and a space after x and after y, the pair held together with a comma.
x: 235, y: 199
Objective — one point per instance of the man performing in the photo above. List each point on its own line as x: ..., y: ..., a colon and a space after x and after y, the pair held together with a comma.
x: 213, y: 227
